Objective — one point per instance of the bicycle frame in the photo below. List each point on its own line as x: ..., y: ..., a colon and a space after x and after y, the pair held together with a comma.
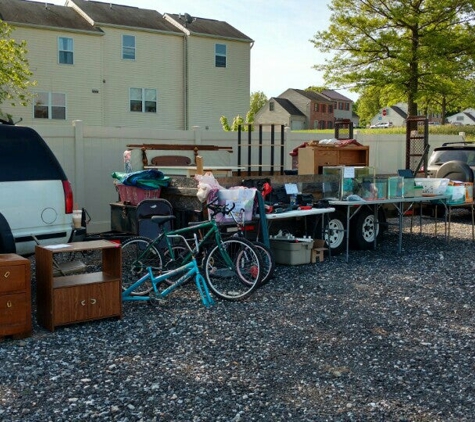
x: 188, y: 270
x: 211, y: 228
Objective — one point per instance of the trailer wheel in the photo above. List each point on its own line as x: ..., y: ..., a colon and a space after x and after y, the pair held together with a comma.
x: 335, y: 232
x: 363, y: 229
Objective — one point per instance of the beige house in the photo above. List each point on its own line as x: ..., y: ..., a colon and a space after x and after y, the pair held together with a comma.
x: 115, y: 66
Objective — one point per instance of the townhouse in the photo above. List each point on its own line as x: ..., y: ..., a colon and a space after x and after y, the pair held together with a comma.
x: 121, y: 66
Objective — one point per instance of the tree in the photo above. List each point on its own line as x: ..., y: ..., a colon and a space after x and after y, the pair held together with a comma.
x: 257, y: 101
x: 14, y: 71
x: 401, y: 46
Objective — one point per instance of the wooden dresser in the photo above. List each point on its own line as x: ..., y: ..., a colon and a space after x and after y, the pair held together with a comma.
x: 312, y: 159
x: 15, y: 296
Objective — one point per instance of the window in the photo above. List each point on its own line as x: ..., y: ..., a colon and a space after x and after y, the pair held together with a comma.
x: 330, y: 108
x: 50, y: 105
x: 315, y: 107
x: 271, y: 106
x: 128, y: 47
x: 340, y: 106
x: 220, y: 55
x: 143, y: 100
x: 347, y: 106
x: 329, y: 124
x: 323, y: 108
x: 65, y: 50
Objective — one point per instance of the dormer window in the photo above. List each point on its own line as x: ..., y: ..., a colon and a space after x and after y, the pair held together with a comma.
x: 271, y: 106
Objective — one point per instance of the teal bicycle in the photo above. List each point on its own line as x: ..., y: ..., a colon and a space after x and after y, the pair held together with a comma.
x: 184, y: 273
x: 232, y: 268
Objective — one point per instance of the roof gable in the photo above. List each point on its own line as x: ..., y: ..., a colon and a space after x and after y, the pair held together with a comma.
x: 399, y: 111
x: 126, y: 16
x: 22, y: 12
x: 288, y: 106
x: 335, y: 96
x: 207, y: 27
x: 311, y: 95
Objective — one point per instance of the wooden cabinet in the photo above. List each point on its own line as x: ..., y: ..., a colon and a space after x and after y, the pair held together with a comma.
x: 312, y: 159
x: 15, y: 296
x: 80, y: 297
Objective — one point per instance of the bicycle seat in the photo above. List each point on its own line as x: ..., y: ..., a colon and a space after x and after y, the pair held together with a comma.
x: 162, y: 219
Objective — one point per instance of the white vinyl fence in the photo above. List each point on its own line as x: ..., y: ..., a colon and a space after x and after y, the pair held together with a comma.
x: 89, y: 155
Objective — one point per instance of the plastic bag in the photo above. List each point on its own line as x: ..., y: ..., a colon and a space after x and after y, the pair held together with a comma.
x: 207, y: 183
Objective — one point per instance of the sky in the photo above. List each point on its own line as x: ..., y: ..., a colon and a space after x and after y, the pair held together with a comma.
x: 282, y: 56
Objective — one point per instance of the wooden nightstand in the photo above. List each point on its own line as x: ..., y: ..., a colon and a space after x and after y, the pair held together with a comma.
x: 68, y: 299
x: 15, y: 296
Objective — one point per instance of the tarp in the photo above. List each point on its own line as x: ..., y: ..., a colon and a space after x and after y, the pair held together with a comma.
x: 144, y: 179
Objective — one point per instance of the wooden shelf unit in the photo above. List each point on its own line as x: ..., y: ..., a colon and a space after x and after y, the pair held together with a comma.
x: 69, y: 299
x: 311, y: 159
x: 15, y: 296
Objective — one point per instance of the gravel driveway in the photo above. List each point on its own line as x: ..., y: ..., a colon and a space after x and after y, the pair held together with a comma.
x: 385, y: 337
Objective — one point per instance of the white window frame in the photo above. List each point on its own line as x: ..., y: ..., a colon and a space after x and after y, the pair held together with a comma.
x: 141, y: 100
x: 128, y: 50
x: 67, y: 51
x: 220, y: 57
x: 51, y: 104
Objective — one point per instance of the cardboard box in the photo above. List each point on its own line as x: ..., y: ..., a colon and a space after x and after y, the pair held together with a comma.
x: 291, y: 252
x: 318, y: 251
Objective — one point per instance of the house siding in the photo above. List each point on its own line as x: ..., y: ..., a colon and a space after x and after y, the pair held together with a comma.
x: 214, y: 91
x: 278, y: 116
x: 158, y: 65
x: 77, y: 81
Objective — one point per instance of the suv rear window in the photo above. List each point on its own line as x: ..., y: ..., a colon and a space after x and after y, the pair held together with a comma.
x: 442, y: 156
x: 24, y: 155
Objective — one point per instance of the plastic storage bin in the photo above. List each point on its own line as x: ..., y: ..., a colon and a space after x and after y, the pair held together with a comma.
x: 291, y: 252
x: 432, y: 187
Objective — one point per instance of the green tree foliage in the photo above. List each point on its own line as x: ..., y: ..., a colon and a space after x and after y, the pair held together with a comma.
x: 14, y: 71
x: 409, y: 48
x: 257, y: 101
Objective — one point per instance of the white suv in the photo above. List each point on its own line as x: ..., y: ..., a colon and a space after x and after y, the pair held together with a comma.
x: 36, y: 199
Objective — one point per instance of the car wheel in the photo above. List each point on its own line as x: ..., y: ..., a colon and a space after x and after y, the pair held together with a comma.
x: 455, y: 170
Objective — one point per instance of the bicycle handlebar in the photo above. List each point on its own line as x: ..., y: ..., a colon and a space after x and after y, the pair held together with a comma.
x: 219, y: 209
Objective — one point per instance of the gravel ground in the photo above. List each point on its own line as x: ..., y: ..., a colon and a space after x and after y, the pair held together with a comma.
x: 385, y: 337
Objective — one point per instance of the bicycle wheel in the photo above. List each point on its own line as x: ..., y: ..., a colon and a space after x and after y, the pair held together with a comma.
x: 137, y: 255
x: 268, y: 261
x: 232, y: 269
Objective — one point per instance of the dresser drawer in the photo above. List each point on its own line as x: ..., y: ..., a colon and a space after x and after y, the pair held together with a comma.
x: 14, y: 309
x: 12, y: 278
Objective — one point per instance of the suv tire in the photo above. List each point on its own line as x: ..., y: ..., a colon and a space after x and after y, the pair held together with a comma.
x: 455, y: 170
